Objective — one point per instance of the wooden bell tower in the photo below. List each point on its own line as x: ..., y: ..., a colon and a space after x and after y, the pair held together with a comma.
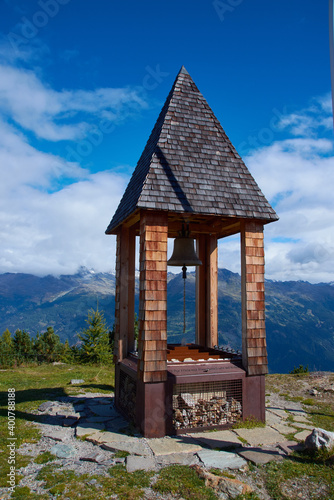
x: 188, y: 172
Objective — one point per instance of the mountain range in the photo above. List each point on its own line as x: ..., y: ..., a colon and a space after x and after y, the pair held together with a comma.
x: 299, y: 315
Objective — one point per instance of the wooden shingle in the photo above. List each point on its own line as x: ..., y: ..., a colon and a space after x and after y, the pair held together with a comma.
x: 189, y: 165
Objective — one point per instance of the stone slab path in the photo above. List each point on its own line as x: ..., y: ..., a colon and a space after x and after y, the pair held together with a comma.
x: 86, y: 433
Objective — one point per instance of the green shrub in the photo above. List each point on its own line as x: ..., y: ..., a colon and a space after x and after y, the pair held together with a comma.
x: 300, y: 369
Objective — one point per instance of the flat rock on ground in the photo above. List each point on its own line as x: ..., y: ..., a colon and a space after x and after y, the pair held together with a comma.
x: 63, y: 451
x: 301, y: 425
x: 103, y: 410
x: 279, y: 412
x: 301, y: 418
x: 258, y: 456
x: 134, y: 463
x: 301, y: 436
x: 178, y: 458
x: 272, y: 418
x: 86, y: 429
x: 283, y: 428
x: 167, y: 445
x: 113, y: 441
x: 260, y: 435
x: 221, y: 459
x: 219, y: 439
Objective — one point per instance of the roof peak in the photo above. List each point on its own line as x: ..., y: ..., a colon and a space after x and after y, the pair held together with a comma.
x: 183, y: 71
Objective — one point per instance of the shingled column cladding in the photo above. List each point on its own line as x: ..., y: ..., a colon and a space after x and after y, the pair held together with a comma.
x: 152, y: 345
x: 189, y: 173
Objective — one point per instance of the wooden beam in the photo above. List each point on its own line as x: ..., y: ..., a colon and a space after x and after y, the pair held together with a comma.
x: 216, y: 225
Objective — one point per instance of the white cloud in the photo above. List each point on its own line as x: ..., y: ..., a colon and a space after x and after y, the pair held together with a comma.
x: 45, y: 232
x: 297, y: 176
x: 57, y: 233
x: 21, y: 164
x: 46, y: 227
x: 57, y: 115
x: 308, y: 121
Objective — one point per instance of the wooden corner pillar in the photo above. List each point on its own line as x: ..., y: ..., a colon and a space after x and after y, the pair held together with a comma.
x: 207, y: 291
x: 124, y: 299
x: 254, y: 349
x: 152, y: 342
x: 125, y: 293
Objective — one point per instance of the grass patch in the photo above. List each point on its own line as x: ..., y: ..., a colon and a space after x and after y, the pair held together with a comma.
x: 51, y: 476
x: 299, y: 475
x: 222, y: 473
x: 67, y: 483
x: 127, y: 485
x: 182, y: 480
x: 321, y: 456
x: 24, y: 493
x: 247, y: 496
x: 290, y: 436
x: 25, y: 432
x: 242, y: 440
x: 121, y: 454
x: 45, y: 457
x: 308, y: 402
x: 34, y: 385
x: 322, y: 415
x: 71, y: 486
x: 295, y: 399
x: 248, y: 423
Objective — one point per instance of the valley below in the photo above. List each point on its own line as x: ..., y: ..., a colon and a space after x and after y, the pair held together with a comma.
x: 299, y: 315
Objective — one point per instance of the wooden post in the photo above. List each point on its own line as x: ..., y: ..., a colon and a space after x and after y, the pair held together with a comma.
x: 201, y: 292
x: 125, y: 289
x: 152, y: 344
x: 117, y: 289
x: 212, y: 292
x: 131, y: 289
x: 207, y: 292
x: 254, y: 350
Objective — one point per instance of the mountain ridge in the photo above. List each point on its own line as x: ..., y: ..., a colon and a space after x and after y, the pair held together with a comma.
x: 299, y: 314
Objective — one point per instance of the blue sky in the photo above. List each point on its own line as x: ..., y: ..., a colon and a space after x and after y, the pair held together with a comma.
x: 82, y: 83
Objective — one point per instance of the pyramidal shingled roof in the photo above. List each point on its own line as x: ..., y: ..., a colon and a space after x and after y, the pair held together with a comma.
x: 189, y: 165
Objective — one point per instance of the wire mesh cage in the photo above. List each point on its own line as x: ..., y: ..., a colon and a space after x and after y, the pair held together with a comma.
x: 207, y: 404
x: 127, y: 395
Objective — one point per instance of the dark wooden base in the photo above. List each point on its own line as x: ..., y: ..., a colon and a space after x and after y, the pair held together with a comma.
x: 153, y: 411
x: 253, y: 398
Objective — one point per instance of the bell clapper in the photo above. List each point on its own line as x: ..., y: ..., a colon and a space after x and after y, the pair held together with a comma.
x: 184, y: 275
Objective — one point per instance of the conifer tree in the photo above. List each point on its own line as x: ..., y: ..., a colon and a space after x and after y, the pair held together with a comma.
x: 67, y: 355
x: 7, y: 352
x: 95, y: 346
x: 48, y: 346
x: 22, y: 346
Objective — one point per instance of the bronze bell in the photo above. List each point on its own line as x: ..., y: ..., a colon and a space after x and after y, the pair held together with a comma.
x: 184, y: 251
